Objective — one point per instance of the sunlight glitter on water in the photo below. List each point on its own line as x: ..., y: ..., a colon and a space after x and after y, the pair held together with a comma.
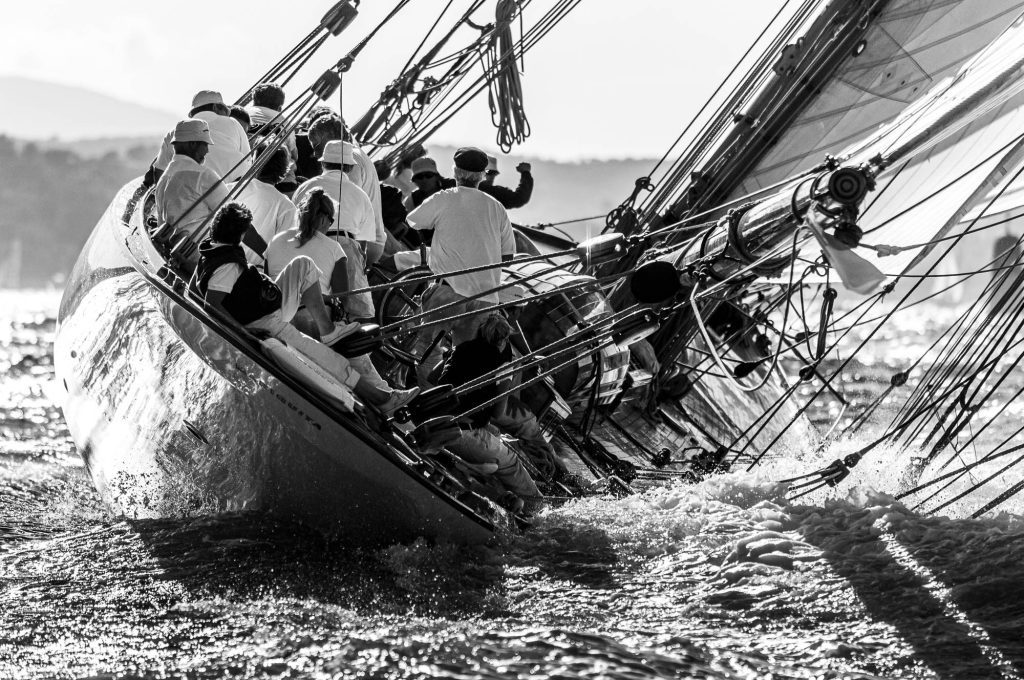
x: 723, y: 579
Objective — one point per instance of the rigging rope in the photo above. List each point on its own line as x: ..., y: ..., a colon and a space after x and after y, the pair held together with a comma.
x: 505, y: 90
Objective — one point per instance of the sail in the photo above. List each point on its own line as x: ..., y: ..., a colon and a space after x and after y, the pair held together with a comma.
x: 836, y: 73
x: 925, y: 200
x: 907, y: 49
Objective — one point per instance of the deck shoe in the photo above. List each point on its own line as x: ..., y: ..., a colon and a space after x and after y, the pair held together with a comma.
x: 398, y: 399
x: 340, y: 331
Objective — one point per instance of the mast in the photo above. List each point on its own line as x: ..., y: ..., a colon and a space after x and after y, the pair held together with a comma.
x: 802, y: 68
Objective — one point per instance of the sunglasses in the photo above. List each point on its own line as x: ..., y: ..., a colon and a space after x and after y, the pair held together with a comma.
x: 493, y: 173
x: 424, y: 175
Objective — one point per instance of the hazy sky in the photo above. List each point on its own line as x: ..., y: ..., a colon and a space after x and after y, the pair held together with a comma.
x: 616, y: 78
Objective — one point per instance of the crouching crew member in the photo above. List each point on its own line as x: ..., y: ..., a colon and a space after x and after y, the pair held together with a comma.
x: 227, y: 283
x: 479, y: 442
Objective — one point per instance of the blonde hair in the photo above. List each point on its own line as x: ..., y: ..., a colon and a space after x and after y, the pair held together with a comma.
x: 315, y: 203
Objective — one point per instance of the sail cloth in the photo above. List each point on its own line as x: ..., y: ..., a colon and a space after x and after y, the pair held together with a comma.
x: 909, y: 47
x: 924, y: 197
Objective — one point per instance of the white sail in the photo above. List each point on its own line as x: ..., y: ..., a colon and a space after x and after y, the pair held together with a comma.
x: 911, y: 46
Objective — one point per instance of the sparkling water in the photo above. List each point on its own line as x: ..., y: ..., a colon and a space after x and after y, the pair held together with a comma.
x: 723, y: 579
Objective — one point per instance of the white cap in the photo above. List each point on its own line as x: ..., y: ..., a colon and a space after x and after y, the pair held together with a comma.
x: 337, y: 151
x: 192, y: 130
x: 205, y: 97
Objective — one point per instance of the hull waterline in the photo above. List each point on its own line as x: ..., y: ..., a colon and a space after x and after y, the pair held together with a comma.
x: 174, y: 417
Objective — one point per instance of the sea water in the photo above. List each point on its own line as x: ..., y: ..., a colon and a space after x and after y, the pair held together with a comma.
x: 722, y: 579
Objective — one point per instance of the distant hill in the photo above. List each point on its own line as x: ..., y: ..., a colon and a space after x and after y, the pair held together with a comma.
x: 40, y: 110
x: 53, y: 192
x: 564, y: 190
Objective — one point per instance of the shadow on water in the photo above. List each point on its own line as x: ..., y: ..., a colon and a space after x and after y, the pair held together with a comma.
x: 974, y: 567
x: 247, y: 555
x: 937, y: 595
x: 252, y: 556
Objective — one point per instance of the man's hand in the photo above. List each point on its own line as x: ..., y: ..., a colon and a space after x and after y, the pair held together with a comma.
x: 523, y: 167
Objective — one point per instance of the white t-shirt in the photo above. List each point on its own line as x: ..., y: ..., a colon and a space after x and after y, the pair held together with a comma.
x: 273, y: 213
x: 471, y: 229
x: 353, y: 212
x: 183, y: 184
x: 224, y: 277
x: 323, y: 250
x: 364, y: 175
x: 230, y: 145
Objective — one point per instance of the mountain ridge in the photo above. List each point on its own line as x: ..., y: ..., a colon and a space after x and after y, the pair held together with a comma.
x: 41, y: 110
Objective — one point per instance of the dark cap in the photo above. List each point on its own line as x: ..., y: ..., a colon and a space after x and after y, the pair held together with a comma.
x: 471, y: 159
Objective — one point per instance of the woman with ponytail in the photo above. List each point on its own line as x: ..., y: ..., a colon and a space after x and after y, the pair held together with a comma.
x: 331, y: 255
x: 316, y: 215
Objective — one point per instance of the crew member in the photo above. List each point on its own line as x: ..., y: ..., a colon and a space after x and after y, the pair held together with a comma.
x: 309, y: 238
x: 329, y: 127
x: 512, y: 416
x: 242, y: 292
x: 507, y: 197
x: 428, y: 182
x: 353, y: 222
x: 394, y: 212
x: 272, y: 211
x: 479, y: 442
x: 265, y: 113
x: 242, y: 116
x: 189, y: 192
x: 470, y: 229
x: 229, y: 157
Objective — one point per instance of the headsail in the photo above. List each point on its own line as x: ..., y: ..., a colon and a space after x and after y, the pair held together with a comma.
x: 839, y: 71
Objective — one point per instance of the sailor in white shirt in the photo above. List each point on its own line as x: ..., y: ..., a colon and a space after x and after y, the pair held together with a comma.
x: 364, y: 174
x: 272, y: 212
x: 353, y: 223
x: 265, y: 111
x: 229, y: 157
x: 222, y: 282
x: 309, y: 238
x: 327, y: 128
x: 471, y: 229
x: 188, y: 192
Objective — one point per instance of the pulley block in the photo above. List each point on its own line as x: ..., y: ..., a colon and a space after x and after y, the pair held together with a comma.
x: 848, y: 185
x: 340, y: 16
x: 326, y: 85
